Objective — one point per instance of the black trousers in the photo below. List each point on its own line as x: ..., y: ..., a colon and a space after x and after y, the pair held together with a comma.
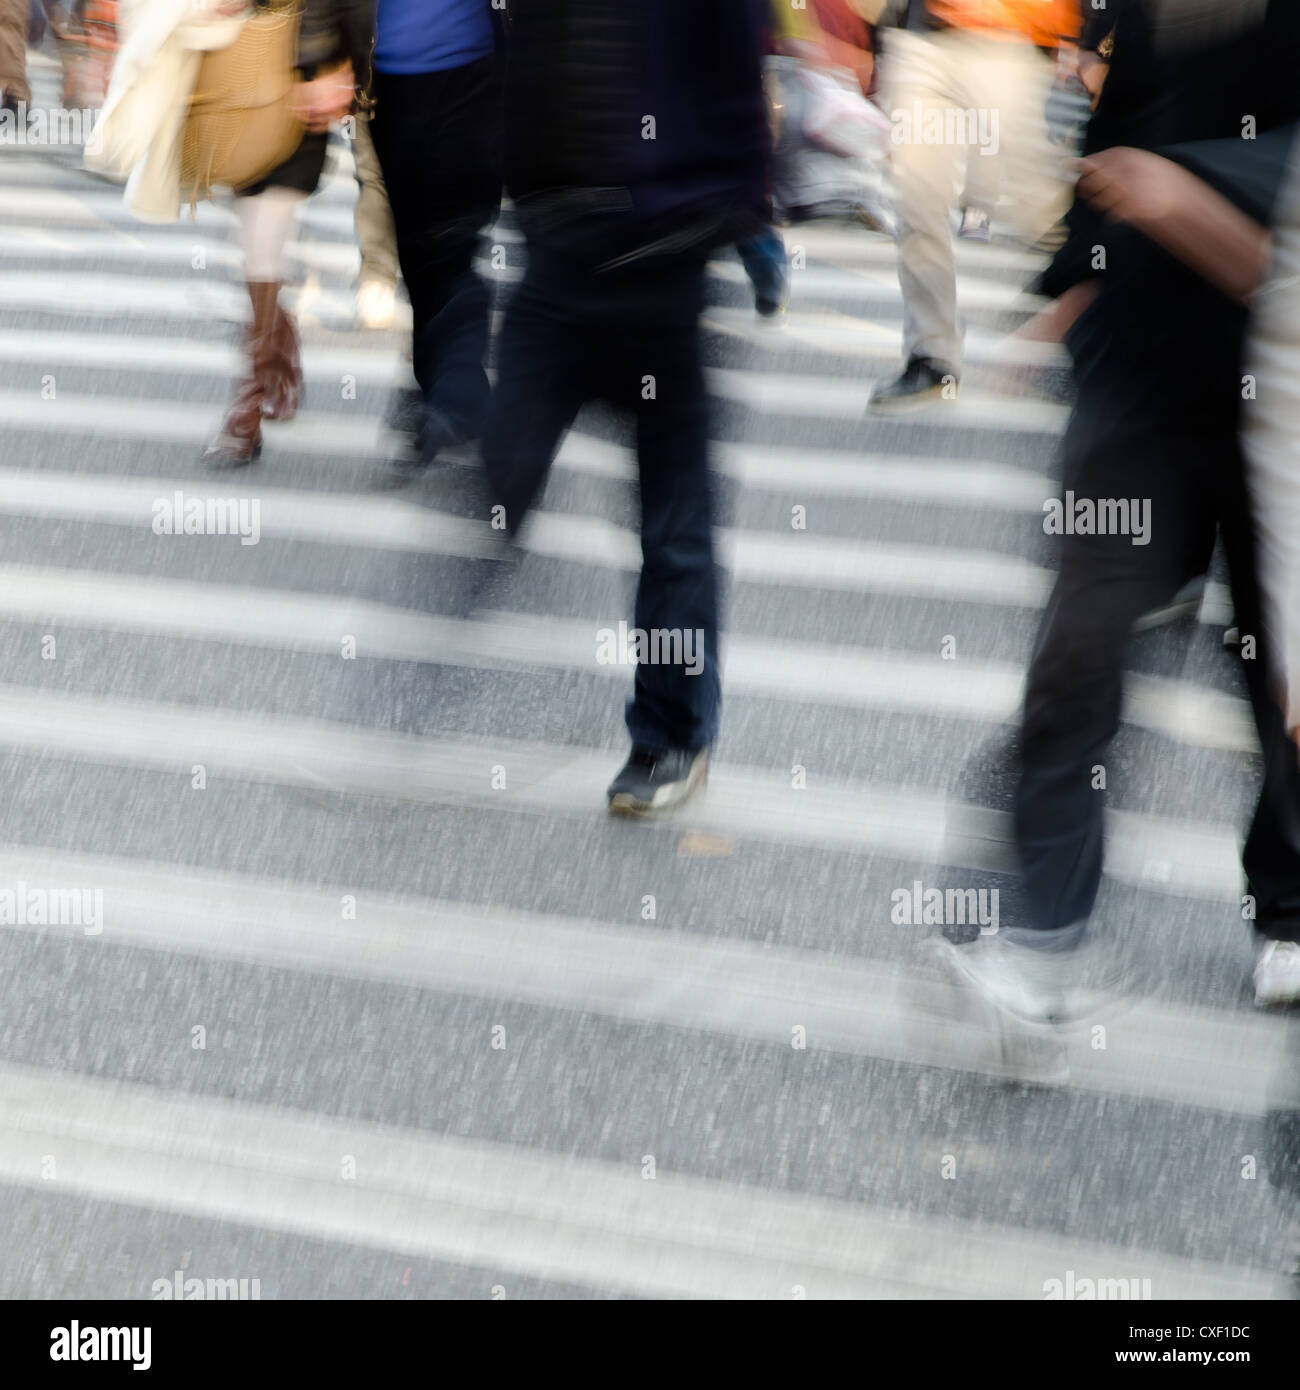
x: 438, y: 138
x: 1195, y: 482
x: 631, y: 337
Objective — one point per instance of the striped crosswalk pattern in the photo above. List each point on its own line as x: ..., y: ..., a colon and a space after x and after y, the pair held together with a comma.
x: 359, y: 968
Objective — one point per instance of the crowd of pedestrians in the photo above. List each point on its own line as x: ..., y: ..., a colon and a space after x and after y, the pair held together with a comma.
x: 635, y: 142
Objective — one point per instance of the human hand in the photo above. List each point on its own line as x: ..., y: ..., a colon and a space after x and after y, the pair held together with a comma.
x: 1135, y: 186
x: 325, y: 99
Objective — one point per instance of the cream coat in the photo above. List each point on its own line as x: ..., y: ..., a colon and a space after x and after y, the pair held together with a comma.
x: 138, y: 134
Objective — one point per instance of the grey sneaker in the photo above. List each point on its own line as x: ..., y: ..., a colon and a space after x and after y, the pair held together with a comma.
x: 658, y: 781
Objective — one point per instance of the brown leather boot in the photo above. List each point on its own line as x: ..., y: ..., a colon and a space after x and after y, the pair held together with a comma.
x: 240, y: 438
x: 284, y: 380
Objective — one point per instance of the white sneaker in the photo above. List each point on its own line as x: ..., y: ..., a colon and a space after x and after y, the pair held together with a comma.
x: 376, y: 305
x: 1030, y: 985
x: 1019, y: 993
x: 1277, y: 975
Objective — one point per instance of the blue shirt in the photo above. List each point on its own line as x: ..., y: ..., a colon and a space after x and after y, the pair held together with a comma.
x: 414, y: 36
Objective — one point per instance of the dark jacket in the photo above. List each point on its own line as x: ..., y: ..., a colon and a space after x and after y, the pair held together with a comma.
x: 333, y: 30
x: 1160, y: 348
x: 636, y: 129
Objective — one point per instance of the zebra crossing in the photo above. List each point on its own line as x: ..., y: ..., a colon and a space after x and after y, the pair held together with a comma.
x: 383, y: 1005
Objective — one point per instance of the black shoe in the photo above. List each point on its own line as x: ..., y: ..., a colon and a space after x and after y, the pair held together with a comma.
x: 922, y: 383
x: 656, y: 781
x: 432, y: 434
x: 404, y: 410
x: 435, y: 434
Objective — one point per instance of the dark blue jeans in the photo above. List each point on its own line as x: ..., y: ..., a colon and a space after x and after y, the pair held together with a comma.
x: 631, y: 337
x: 438, y: 138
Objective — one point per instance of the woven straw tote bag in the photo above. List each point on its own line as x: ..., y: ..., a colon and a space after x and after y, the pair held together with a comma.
x: 241, y: 124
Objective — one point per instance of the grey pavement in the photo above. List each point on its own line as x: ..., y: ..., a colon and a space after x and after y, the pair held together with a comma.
x: 363, y: 1022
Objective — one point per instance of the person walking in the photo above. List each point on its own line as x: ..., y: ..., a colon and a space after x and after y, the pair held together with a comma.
x: 963, y: 79
x: 436, y: 128
x: 637, y: 142
x: 1157, y: 342
x: 333, y: 48
x: 140, y: 136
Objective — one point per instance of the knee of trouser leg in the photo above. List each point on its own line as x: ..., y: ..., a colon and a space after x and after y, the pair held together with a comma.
x: 1077, y: 680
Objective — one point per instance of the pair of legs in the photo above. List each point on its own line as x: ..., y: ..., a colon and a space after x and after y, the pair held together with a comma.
x: 631, y: 336
x: 1195, y: 482
x: 952, y: 96
x: 438, y: 139
x: 272, y: 383
x: 1028, y: 980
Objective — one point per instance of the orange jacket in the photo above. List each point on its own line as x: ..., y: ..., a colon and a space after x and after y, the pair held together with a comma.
x: 1045, y: 22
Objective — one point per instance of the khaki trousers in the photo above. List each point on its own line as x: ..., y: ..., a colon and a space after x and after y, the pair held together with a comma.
x: 951, y: 96
x: 372, y: 216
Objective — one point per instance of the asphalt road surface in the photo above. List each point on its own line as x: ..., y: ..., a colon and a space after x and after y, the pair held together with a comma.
x: 384, y: 1005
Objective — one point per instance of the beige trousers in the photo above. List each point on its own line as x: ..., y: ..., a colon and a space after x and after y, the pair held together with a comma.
x: 951, y: 96
x: 372, y: 216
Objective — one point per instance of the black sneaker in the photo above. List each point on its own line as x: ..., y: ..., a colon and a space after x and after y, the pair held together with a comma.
x: 656, y: 781
x: 922, y: 383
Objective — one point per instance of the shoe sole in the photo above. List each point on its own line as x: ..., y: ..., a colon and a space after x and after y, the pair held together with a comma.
x: 221, y: 459
x: 905, y: 405
x: 625, y: 804
x: 1172, y: 613
x: 1277, y: 1002
x: 1031, y: 1057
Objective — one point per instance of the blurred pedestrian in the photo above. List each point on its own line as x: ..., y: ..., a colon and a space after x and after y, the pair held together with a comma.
x: 15, y: 17
x: 437, y: 133
x: 831, y: 143
x: 637, y: 142
x: 141, y: 136
x: 1167, y: 244
x: 333, y: 46
x: 963, y: 75
x: 1271, y: 436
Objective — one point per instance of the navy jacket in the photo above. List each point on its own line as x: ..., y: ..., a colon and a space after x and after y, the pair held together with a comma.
x: 636, y: 129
